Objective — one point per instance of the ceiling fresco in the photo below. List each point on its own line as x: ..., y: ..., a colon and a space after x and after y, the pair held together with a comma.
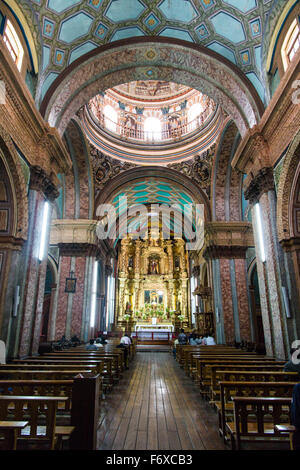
x: 71, y: 28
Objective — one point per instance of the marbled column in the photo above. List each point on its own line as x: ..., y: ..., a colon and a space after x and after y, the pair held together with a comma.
x: 261, y: 189
x: 72, y: 307
x: 227, y: 243
x: 41, y: 189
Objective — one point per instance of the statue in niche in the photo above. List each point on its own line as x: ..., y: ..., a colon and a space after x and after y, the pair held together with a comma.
x: 177, y: 262
x: 153, y: 266
x: 130, y: 262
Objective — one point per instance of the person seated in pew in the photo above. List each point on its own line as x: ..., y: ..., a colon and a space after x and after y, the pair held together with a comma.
x: 98, y: 343
x: 91, y: 346
x: 75, y: 340
x: 208, y: 340
x: 126, y: 340
x: 102, y: 338
x: 174, y: 347
x: 295, y: 416
x: 182, y: 337
x: 195, y: 340
x: 293, y: 365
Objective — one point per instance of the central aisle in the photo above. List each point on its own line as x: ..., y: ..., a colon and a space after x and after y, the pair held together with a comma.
x: 157, y: 407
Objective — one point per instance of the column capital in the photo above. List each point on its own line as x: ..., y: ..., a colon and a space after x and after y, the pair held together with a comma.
x: 78, y: 249
x: 253, y: 153
x: 40, y: 181
x: 227, y: 239
x: 70, y: 231
x: 256, y: 185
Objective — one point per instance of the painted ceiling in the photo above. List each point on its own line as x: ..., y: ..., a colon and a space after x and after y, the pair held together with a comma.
x: 157, y: 192
x: 71, y: 28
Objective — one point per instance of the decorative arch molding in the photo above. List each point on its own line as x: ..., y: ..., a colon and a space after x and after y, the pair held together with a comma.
x: 152, y: 58
x: 286, y: 189
x: 226, y: 181
x: 166, y: 174
x: 18, y: 184
x: 53, y: 267
x: 81, y: 176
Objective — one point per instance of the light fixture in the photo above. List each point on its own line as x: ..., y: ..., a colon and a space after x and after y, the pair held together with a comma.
x: 260, y: 233
x: 44, y: 231
x: 94, y: 295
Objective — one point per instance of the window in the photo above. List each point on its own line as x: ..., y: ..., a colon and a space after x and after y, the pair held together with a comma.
x: 111, y: 118
x: 152, y: 128
x: 291, y: 44
x: 13, y: 44
x: 193, y: 113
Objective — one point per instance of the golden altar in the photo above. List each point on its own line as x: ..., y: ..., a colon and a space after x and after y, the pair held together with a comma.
x: 152, y: 281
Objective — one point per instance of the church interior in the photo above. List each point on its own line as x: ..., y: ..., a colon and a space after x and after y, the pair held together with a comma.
x: 149, y: 184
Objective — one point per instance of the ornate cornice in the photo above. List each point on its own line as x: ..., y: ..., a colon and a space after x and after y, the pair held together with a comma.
x: 40, y: 181
x: 78, y: 249
x: 258, y: 185
x: 227, y: 239
x: 227, y: 252
x: 73, y: 231
x: 292, y: 244
x: 19, y: 116
x: 11, y: 243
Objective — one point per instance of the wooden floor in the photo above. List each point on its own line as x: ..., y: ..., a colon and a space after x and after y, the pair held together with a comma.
x: 156, y: 407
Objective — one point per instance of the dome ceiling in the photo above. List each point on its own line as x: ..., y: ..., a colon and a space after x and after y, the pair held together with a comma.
x: 151, y: 90
x: 71, y: 28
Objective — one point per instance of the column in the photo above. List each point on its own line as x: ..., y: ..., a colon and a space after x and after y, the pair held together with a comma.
x: 41, y: 189
x: 226, y: 247
x: 261, y: 189
x: 78, y: 251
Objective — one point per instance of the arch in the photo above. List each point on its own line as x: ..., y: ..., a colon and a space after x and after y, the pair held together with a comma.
x: 167, y: 174
x: 226, y: 181
x: 152, y: 58
x: 286, y: 190
x: 79, y: 187
x: 17, y: 180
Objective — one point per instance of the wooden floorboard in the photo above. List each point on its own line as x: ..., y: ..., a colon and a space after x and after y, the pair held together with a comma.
x: 156, y: 406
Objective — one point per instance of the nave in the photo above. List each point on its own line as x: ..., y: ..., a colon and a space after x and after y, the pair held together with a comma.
x: 157, y: 407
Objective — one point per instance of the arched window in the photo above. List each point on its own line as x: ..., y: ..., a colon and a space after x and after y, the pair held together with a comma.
x: 111, y: 118
x: 13, y: 44
x: 193, y: 113
x: 291, y: 44
x: 152, y: 128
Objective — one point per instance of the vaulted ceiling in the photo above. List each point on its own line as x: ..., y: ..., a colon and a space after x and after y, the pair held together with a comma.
x: 70, y: 28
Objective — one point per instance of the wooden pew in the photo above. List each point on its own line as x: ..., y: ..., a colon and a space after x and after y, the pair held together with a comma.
x: 95, y: 364
x: 290, y: 431
x: 200, y: 362
x: 40, y: 412
x: 116, y: 357
x: 10, y: 430
x: 111, y: 370
x: 266, y: 413
x: 56, y: 388
x: 249, y: 389
x: 216, y: 374
x: 42, y: 374
x: 188, y: 354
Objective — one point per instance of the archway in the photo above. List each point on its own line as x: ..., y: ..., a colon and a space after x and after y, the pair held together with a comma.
x: 152, y: 58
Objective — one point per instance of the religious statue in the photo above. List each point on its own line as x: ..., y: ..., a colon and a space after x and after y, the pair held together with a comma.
x: 153, y: 266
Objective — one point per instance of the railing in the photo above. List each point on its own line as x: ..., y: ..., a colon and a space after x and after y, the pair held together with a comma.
x: 168, y: 132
